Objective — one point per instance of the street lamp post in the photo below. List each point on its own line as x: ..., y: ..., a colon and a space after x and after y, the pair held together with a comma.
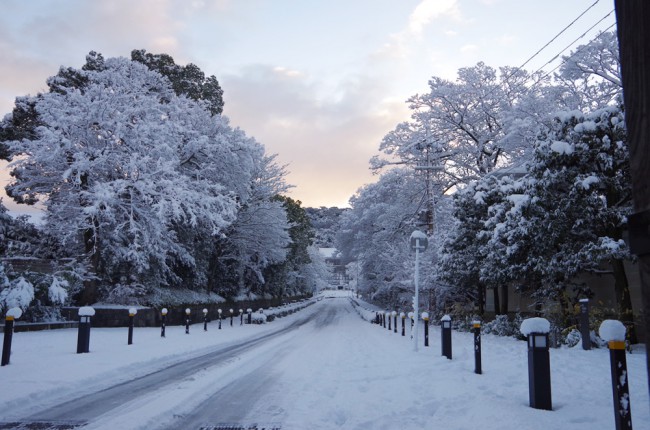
x: 419, y: 242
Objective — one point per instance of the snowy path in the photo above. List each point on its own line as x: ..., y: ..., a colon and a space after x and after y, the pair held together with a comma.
x: 323, y: 368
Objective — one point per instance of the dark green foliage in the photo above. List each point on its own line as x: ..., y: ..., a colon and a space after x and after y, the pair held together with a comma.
x: 186, y: 80
x: 282, y: 276
x: 325, y: 222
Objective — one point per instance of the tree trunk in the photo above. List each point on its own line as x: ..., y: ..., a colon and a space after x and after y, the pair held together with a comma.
x: 90, y: 293
x: 480, y: 298
x: 623, y: 299
x: 497, y: 304
x: 504, y: 299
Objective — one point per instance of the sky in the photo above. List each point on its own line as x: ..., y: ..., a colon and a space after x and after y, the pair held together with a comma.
x: 318, y: 82
x: 335, y: 372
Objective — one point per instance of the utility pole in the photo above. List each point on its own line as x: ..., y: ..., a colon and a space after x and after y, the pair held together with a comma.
x: 633, y: 19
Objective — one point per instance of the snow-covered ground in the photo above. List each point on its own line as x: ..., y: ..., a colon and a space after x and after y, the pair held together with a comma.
x: 340, y: 372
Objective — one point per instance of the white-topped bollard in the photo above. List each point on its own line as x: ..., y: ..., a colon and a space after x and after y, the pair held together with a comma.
x: 83, y: 333
x: 163, y: 317
x: 187, y: 320
x: 476, y: 328
x: 613, y: 332
x: 205, y: 319
x: 219, y: 311
x: 132, y: 312
x: 12, y: 314
x: 403, y: 316
x: 394, y: 314
x: 425, y: 318
x: 539, y: 366
x: 445, y: 331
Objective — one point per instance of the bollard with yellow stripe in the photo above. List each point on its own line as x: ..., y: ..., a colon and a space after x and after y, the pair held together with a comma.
x: 12, y: 315
x: 613, y: 332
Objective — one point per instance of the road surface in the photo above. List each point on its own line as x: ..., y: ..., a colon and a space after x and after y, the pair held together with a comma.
x: 240, y: 386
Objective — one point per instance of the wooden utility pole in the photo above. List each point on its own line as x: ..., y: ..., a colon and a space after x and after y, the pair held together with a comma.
x: 633, y: 18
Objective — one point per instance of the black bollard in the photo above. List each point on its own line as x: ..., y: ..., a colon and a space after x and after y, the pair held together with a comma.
x: 83, y: 333
x: 231, y: 315
x: 187, y: 321
x: 411, y: 318
x: 12, y: 314
x: 425, y: 318
x: 395, y: 321
x: 205, y: 319
x: 446, y: 336
x: 241, y: 317
x: 476, y: 326
x: 162, y: 321
x: 613, y: 332
x: 132, y: 313
x: 219, y: 312
x: 250, y: 315
x: 539, y: 366
x: 403, y: 315
x: 585, y: 333
x: 389, y: 321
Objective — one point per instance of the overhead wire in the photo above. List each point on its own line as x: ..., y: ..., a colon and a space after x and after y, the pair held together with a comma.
x: 559, y: 34
x: 507, y: 78
x: 568, y: 46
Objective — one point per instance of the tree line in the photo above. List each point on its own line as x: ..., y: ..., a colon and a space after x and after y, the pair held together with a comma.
x: 520, y: 179
x: 147, y: 189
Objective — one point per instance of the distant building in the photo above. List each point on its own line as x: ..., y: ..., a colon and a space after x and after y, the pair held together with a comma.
x: 339, y: 278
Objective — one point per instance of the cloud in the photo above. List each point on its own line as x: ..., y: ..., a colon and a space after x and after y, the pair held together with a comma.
x: 422, y: 16
x: 429, y: 10
x: 327, y: 141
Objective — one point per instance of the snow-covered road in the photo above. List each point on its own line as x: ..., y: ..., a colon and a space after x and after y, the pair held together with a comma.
x: 322, y: 368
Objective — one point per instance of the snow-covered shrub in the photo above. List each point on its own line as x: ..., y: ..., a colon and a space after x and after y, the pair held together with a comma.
x: 57, y: 292
x: 19, y: 293
x: 125, y: 294
x: 502, y: 326
x: 572, y: 338
x: 258, y: 318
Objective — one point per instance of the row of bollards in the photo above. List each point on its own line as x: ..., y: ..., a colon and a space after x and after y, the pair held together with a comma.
x: 382, y: 317
x: 537, y: 331
x: 86, y: 312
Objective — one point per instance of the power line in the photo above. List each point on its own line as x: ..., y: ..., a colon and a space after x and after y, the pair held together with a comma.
x: 558, y: 35
x: 578, y: 38
x: 506, y: 79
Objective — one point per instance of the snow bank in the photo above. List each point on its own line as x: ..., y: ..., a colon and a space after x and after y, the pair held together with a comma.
x: 612, y: 330
x: 535, y: 325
